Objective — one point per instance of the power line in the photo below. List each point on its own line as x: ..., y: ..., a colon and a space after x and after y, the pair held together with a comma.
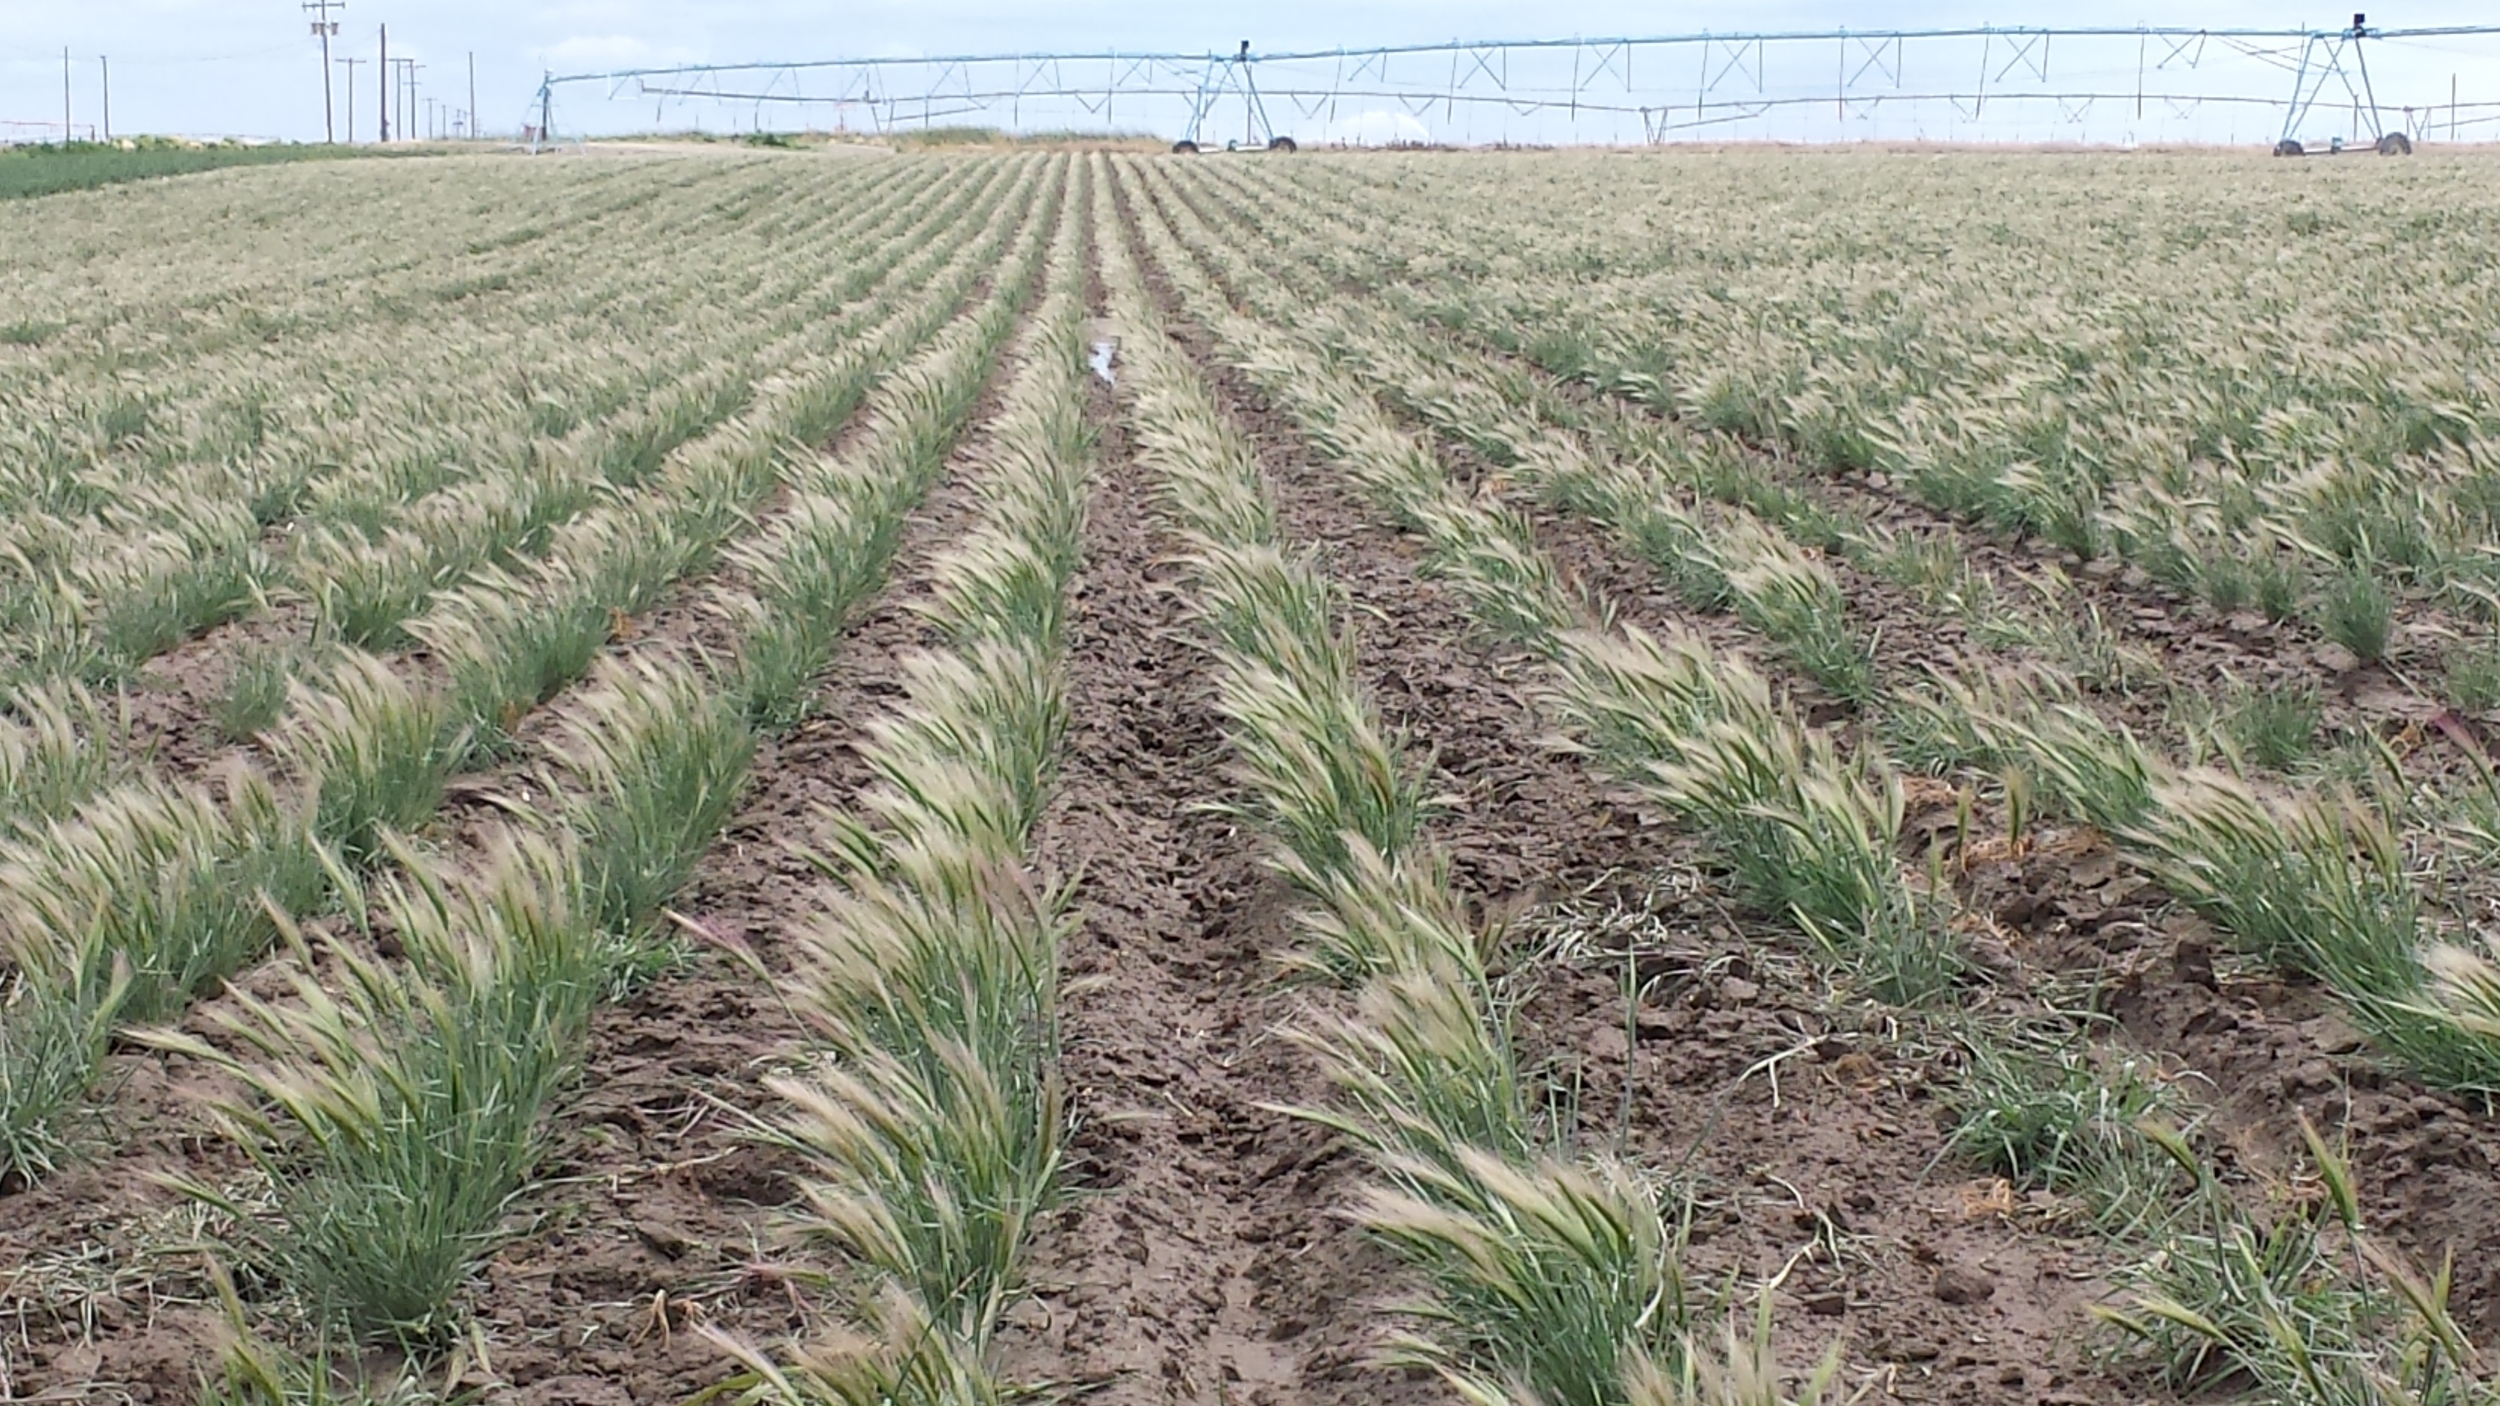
x: 146, y: 61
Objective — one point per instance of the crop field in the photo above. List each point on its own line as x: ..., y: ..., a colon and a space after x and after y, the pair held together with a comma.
x: 1715, y: 778
x: 47, y: 170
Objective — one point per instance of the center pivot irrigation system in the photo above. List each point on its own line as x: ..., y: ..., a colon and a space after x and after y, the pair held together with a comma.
x: 2157, y: 81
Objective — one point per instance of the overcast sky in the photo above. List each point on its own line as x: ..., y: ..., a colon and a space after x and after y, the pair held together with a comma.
x: 250, y: 67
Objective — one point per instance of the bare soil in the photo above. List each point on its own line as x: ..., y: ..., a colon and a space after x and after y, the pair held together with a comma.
x: 173, y: 700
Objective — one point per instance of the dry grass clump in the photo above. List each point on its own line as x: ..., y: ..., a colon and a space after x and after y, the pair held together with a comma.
x: 148, y: 894
x: 59, y: 749
x: 654, y: 761
x: 396, y: 1107
x: 374, y: 749
x: 1803, y: 832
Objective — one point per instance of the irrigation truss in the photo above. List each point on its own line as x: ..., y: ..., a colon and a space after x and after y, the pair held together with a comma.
x: 1978, y: 83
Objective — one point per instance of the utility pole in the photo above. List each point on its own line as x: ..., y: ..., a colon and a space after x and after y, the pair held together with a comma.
x: 469, y: 127
x: 408, y: 113
x: 105, y: 66
x: 323, y: 26
x: 351, y: 96
x: 383, y: 93
x: 415, y: 90
x: 65, y: 138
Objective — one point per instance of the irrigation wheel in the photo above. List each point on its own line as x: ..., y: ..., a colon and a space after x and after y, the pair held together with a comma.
x: 2395, y: 144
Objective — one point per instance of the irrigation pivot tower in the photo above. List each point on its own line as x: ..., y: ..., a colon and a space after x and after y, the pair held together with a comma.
x: 2322, y: 58
x: 1232, y: 74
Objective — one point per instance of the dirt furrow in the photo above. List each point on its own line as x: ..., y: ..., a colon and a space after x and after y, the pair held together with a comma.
x: 1200, y: 1256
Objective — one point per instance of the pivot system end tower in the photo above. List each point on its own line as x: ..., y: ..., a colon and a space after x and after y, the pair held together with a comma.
x: 1232, y: 75
x: 2323, y: 58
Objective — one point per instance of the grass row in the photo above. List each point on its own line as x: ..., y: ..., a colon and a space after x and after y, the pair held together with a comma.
x: 481, y: 325
x: 396, y: 1109
x: 2317, y: 485
x: 1550, y: 1277
x: 1737, y: 547
x: 559, y: 505
x: 2309, y: 882
x: 96, y: 601
x: 2221, y: 1287
x: 152, y: 891
x: 930, y: 1114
